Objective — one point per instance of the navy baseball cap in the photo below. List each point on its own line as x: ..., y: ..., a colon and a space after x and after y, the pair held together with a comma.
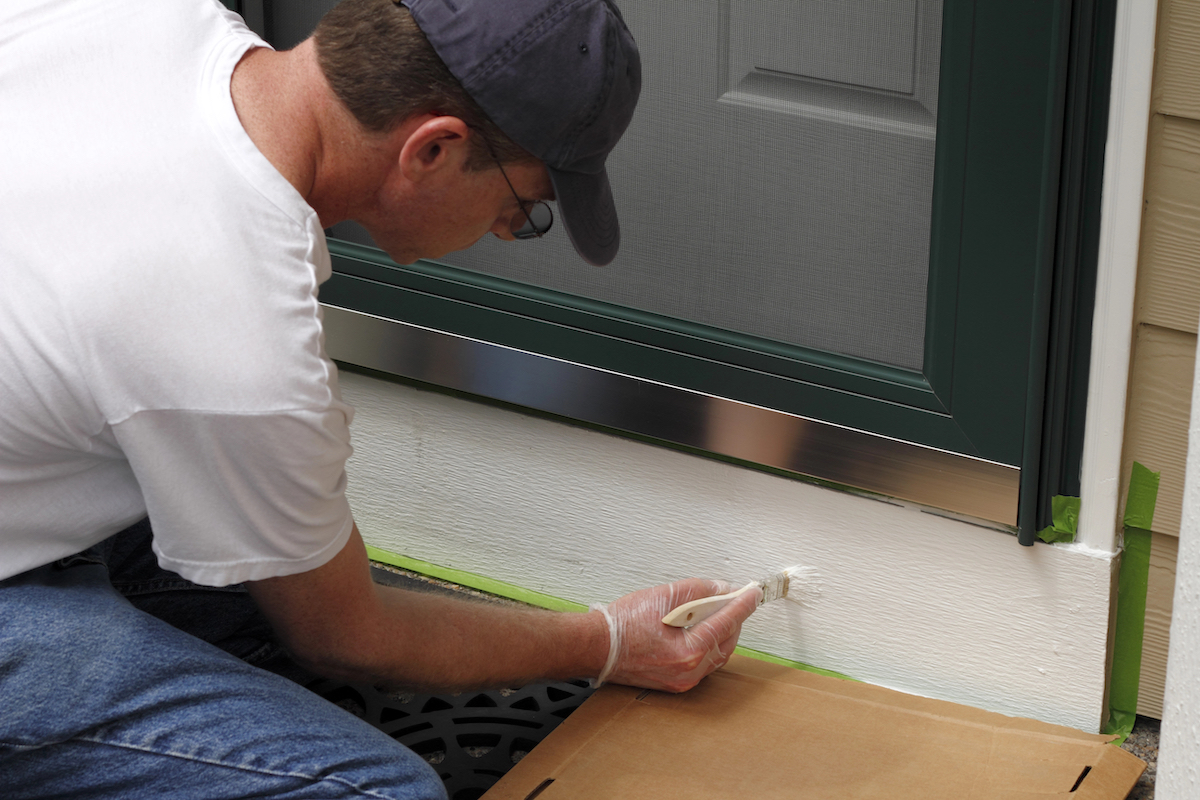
x: 561, y: 79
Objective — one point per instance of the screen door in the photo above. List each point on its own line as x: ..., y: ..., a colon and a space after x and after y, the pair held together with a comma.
x: 776, y: 179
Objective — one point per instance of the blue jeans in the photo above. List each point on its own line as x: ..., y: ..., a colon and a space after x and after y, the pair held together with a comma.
x: 102, y: 699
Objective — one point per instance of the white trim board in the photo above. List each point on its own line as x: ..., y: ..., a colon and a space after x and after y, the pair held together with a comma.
x: 908, y: 600
x: 1120, y: 233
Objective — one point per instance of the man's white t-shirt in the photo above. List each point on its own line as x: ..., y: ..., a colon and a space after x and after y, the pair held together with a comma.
x: 161, y: 346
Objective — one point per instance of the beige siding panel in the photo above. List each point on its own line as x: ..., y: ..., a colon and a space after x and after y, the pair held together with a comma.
x: 1177, y: 73
x: 1159, y: 593
x: 1169, y: 269
x: 1160, y: 401
x: 1168, y: 310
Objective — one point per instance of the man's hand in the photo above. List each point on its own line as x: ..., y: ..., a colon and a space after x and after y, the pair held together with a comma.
x: 645, y: 652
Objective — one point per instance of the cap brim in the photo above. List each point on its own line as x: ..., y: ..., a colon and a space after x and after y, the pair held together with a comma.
x: 585, y: 205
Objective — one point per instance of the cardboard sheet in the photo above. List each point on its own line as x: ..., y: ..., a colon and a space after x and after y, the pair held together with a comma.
x: 758, y: 730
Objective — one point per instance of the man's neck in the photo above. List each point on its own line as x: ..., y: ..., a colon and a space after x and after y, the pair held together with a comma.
x: 293, y: 117
x: 274, y: 105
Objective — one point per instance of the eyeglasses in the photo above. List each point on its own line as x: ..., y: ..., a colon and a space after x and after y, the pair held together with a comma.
x: 537, y: 213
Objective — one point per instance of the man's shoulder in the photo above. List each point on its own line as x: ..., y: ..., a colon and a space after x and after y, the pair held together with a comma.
x: 122, y: 22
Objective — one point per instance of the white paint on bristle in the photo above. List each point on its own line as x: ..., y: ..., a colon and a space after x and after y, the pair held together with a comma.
x: 804, y: 584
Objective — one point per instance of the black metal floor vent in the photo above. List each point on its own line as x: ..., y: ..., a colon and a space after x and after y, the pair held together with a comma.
x: 471, y: 739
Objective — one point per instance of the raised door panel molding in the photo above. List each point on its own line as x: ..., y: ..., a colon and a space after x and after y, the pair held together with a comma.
x: 870, y: 44
x: 871, y: 65
x: 1169, y: 267
x: 1160, y: 402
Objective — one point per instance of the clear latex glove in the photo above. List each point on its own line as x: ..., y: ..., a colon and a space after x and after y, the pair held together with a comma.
x: 644, y: 652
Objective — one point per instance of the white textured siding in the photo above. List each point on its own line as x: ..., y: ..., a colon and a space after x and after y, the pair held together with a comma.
x: 908, y: 600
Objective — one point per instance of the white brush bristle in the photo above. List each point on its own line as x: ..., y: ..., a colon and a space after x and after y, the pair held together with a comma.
x: 798, y: 584
x: 803, y: 584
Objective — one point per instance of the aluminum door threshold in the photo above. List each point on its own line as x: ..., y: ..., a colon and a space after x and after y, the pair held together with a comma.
x: 961, y: 484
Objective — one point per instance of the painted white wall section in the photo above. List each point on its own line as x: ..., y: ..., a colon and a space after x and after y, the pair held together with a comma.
x: 1179, y: 747
x: 908, y: 600
x: 1120, y: 231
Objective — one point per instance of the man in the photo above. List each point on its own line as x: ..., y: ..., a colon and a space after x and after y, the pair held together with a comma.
x: 166, y: 182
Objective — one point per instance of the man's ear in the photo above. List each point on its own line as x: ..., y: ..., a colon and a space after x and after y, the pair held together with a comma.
x: 435, y: 144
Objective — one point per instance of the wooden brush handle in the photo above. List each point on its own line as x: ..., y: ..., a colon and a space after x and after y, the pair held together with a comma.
x: 688, y: 614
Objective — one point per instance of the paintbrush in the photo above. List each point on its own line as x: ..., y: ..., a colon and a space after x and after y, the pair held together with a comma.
x: 774, y: 587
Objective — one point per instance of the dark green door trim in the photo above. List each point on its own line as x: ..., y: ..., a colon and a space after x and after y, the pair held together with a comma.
x: 1076, y: 257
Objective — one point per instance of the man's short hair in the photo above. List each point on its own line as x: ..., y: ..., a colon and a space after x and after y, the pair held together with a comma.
x: 384, y: 70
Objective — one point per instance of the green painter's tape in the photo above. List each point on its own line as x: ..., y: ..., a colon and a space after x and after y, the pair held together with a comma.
x: 1065, y: 520
x: 513, y: 592
x: 770, y: 659
x: 1127, y: 639
x: 1131, y: 603
x: 1143, y: 495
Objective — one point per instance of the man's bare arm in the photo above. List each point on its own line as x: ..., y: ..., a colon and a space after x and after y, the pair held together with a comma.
x: 339, y: 623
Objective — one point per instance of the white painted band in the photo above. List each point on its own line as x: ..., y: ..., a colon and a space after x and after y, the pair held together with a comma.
x: 1120, y: 232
